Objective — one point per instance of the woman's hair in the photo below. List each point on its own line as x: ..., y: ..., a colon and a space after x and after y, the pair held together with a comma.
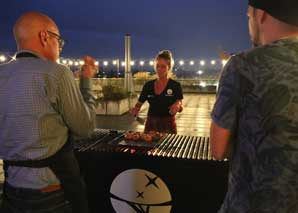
x: 167, y: 55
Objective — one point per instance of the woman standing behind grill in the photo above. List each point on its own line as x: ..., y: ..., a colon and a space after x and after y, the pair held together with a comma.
x: 164, y: 96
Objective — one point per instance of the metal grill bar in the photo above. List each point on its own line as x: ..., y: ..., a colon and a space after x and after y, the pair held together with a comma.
x: 183, y: 147
x: 205, y: 149
x: 167, y: 147
x: 93, y: 144
x: 201, y: 147
x: 176, y: 146
x: 209, y: 150
x: 114, y: 139
x: 187, y: 149
x: 157, y: 149
x: 192, y: 146
x: 86, y: 143
x: 196, y: 149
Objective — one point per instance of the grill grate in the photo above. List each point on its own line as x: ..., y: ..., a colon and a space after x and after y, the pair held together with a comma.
x: 170, y: 146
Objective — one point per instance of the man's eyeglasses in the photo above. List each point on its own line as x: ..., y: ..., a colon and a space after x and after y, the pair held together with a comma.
x: 61, y: 41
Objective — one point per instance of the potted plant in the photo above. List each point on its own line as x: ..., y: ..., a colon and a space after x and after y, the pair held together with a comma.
x: 114, y: 101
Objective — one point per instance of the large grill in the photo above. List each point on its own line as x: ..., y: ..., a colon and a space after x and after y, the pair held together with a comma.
x: 170, y: 145
x: 196, y: 182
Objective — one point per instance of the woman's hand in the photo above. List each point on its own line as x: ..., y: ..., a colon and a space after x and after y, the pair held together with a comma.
x: 176, y: 107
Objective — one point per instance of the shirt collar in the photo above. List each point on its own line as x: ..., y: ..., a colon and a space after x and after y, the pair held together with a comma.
x: 26, y: 53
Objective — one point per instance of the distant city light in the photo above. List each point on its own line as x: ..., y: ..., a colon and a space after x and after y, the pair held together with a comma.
x: 182, y: 62
x: 2, y: 58
x: 197, y: 67
x: 203, y: 84
x: 200, y: 72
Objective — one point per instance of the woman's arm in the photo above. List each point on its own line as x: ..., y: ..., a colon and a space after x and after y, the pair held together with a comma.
x: 135, y: 110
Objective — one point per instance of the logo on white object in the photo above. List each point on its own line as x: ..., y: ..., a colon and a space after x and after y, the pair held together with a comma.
x: 138, y: 190
x: 169, y: 91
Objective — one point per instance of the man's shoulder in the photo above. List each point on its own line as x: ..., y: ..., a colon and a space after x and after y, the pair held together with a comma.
x: 265, y: 58
x: 55, y: 66
x: 55, y: 69
x: 237, y: 63
x: 265, y: 52
x: 255, y: 51
x: 39, y: 64
x: 246, y: 57
x: 248, y: 61
x: 35, y: 65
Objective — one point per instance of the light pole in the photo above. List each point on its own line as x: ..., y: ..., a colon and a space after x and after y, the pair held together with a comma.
x: 128, y: 78
x: 118, y: 66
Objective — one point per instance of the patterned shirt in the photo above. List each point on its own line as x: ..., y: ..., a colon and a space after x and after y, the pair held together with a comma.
x: 258, y: 101
x: 39, y: 104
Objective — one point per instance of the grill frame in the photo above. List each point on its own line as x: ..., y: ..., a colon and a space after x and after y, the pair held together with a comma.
x: 198, y: 183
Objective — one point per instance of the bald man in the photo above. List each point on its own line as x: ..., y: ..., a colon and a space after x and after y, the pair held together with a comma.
x: 255, y: 116
x: 40, y: 108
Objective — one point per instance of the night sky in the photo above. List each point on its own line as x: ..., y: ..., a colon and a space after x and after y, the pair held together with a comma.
x: 189, y: 28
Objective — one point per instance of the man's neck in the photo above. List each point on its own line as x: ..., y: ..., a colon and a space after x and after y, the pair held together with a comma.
x: 277, y: 35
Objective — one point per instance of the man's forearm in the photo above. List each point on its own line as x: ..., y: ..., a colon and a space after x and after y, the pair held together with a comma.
x: 87, y: 93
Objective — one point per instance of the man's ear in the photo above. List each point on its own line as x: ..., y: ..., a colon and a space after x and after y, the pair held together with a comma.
x: 43, y: 38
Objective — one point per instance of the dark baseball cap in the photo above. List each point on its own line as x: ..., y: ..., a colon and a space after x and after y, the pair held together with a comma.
x: 283, y: 10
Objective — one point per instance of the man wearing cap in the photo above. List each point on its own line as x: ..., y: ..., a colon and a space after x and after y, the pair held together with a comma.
x: 41, y: 107
x: 255, y: 117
